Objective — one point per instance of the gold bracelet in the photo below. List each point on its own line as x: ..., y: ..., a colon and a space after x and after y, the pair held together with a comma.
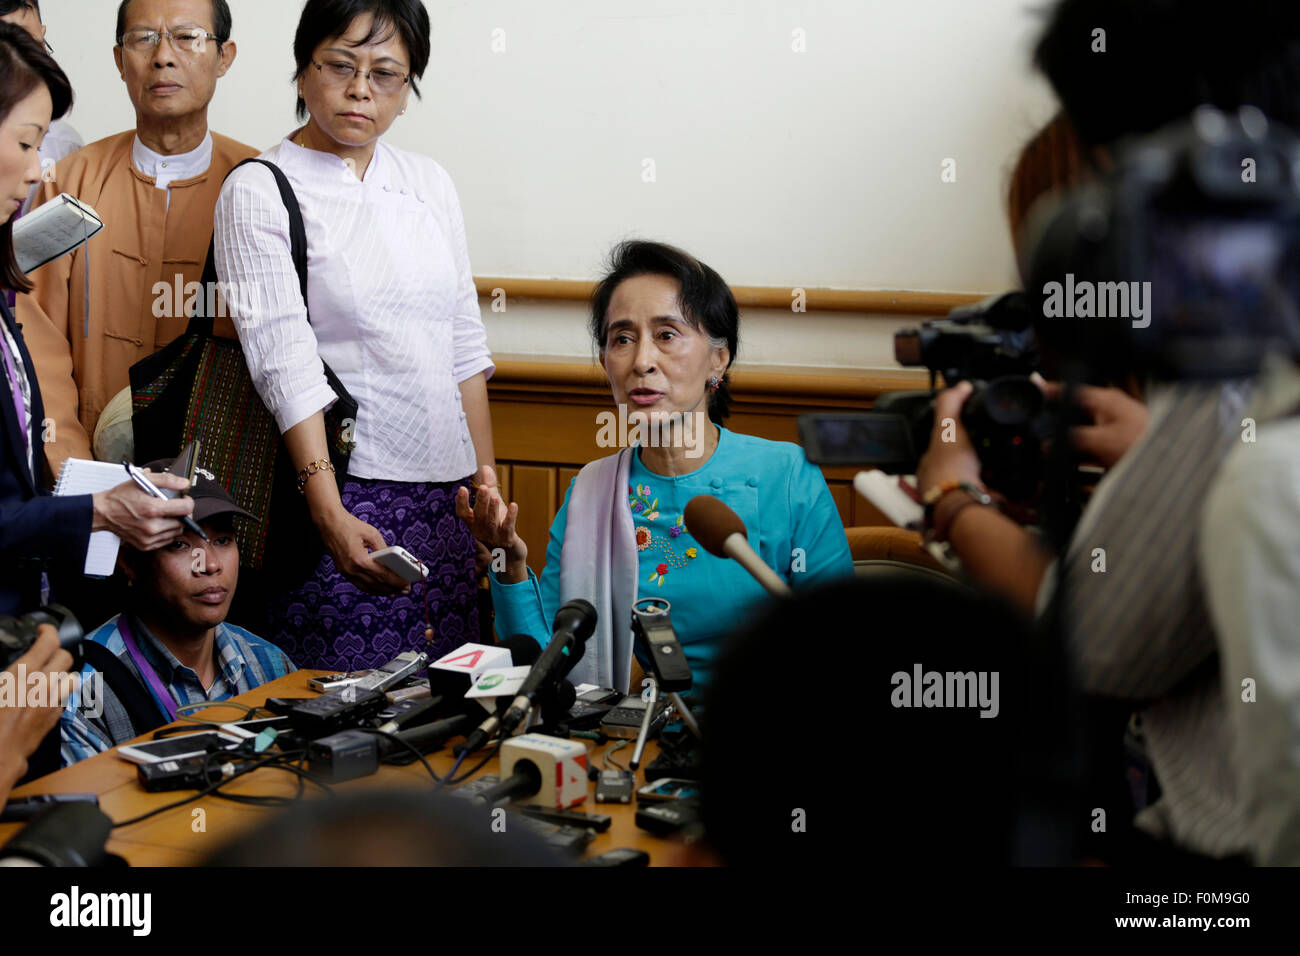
x: 315, y: 467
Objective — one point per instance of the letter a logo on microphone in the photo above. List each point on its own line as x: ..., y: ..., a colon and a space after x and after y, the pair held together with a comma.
x: 471, y: 660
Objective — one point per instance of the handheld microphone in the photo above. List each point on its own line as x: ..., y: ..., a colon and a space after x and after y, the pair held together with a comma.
x: 553, y: 769
x: 430, y: 737
x: 354, y: 753
x: 358, y: 753
x: 452, y: 675
x: 574, y: 623
x: 722, y: 533
x: 68, y: 834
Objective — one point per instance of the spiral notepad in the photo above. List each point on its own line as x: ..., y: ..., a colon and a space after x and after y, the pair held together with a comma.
x: 81, y: 477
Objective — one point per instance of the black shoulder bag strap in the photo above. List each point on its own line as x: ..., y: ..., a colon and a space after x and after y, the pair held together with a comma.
x: 142, y: 710
x: 297, y: 245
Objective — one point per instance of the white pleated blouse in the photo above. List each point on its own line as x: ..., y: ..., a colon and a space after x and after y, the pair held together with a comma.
x: 394, y: 310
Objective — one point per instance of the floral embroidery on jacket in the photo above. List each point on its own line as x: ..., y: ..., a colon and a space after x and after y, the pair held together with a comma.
x: 646, y: 507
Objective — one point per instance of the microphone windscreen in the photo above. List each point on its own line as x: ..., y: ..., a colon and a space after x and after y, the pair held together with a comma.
x: 524, y: 650
x: 578, y: 616
x: 711, y: 522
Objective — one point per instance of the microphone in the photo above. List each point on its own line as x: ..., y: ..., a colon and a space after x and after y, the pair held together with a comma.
x: 524, y: 649
x: 430, y: 737
x: 574, y: 623
x: 452, y: 675
x: 358, y: 753
x: 355, y: 753
x: 722, y: 533
x: 462, y: 714
x: 524, y: 782
x: 68, y: 834
x: 553, y: 769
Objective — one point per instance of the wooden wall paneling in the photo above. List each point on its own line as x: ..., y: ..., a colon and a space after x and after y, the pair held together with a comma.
x: 533, y: 487
x: 545, y: 427
x: 870, y: 301
x: 843, y: 494
x: 867, y: 514
x: 565, y: 476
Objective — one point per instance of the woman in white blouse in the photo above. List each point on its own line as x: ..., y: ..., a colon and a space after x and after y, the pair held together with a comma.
x: 394, y: 312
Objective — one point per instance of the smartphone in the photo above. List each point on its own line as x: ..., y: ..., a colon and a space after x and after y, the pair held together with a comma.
x: 180, y: 747
x: 402, y: 563
x: 187, y: 462
x: 669, y: 788
x: 247, y: 729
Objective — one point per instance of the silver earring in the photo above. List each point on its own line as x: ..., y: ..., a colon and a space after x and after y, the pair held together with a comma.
x: 714, y: 383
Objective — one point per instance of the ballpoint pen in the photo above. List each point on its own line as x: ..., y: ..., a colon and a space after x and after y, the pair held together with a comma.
x: 150, y: 489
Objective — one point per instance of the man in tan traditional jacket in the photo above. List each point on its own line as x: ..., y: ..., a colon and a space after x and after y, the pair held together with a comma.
x: 155, y: 188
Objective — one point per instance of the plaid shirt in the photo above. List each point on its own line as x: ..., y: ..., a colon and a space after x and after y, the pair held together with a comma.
x: 243, y: 662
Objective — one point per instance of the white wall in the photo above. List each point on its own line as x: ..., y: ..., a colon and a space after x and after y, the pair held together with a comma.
x: 818, y: 169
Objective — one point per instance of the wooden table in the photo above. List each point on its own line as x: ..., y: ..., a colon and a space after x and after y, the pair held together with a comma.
x: 175, y: 838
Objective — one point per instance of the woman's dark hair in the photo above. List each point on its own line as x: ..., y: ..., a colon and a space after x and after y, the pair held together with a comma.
x: 706, y: 301
x: 222, y: 21
x: 328, y: 19
x: 24, y: 66
x: 13, y: 6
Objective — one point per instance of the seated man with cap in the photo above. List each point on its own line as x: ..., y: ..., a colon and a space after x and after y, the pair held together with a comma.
x: 171, y: 646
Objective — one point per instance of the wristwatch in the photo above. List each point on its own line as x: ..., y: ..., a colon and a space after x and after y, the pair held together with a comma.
x: 939, y: 520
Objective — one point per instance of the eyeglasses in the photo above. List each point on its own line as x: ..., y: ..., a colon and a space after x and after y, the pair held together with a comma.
x: 339, y: 73
x: 187, y: 41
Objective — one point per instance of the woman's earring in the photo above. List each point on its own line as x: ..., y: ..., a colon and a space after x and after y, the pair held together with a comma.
x: 715, y: 383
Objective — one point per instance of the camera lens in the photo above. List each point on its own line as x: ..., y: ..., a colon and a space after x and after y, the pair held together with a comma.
x: 1012, y: 401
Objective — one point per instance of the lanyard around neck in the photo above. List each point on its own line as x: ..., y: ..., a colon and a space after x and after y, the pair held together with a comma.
x: 160, y: 692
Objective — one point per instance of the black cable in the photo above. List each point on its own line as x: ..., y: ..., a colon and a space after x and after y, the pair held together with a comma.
x: 453, y: 782
x: 282, y: 762
x: 193, y: 728
x: 212, y: 788
x: 188, y: 711
x: 409, y: 746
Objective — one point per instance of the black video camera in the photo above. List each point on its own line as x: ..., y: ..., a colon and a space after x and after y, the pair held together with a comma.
x: 18, y: 634
x: 1183, y: 262
x: 992, y: 345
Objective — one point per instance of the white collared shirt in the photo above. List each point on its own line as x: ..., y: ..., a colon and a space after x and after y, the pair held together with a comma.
x: 394, y: 310
x: 60, y: 140
x: 166, y: 170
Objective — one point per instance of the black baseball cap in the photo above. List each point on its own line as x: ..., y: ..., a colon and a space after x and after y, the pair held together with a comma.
x: 210, y: 499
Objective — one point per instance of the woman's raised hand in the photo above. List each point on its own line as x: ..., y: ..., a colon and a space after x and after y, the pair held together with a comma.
x: 492, y: 523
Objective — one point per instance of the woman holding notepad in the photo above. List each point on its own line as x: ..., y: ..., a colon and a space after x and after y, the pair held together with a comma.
x: 38, y: 531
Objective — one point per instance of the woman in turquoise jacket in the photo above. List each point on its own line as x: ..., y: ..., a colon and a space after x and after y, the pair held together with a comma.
x: 667, y: 328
